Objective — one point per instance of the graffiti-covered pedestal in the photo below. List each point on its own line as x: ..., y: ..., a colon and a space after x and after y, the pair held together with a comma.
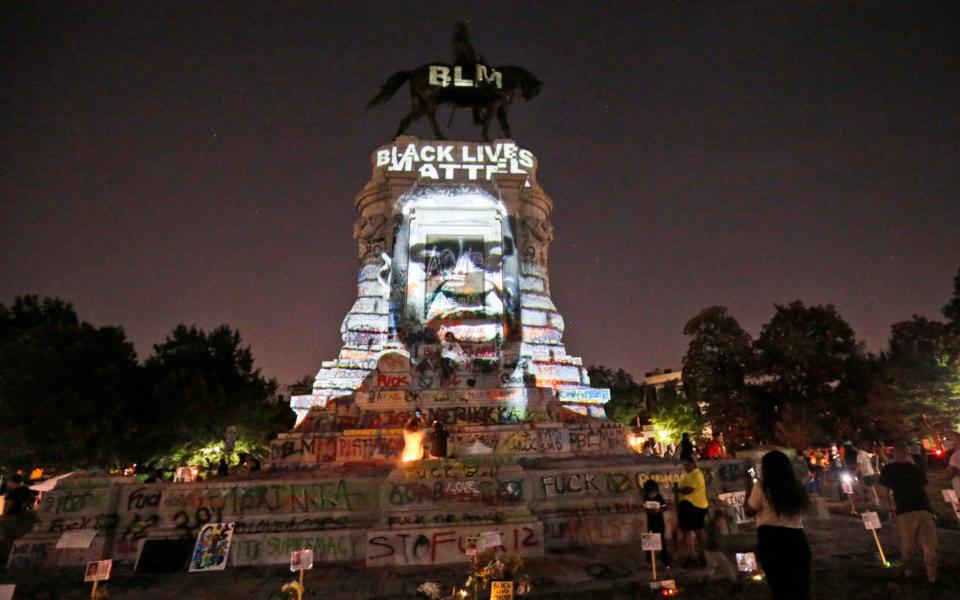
x: 453, y: 318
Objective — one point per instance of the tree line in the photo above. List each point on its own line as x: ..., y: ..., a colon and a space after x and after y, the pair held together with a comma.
x: 75, y: 395
x: 806, y: 379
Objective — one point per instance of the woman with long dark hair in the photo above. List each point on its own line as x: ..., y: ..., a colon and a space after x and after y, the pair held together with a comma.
x: 778, y: 501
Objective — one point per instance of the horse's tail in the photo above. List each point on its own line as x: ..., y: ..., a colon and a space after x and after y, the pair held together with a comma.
x: 389, y: 88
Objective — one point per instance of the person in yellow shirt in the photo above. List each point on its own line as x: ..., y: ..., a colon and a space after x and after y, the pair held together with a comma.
x: 692, y: 510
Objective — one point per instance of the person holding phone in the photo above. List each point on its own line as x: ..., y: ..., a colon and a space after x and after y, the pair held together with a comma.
x: 778, y: 501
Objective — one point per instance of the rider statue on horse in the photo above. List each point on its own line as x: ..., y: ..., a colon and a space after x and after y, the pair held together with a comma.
x: 469, y: 83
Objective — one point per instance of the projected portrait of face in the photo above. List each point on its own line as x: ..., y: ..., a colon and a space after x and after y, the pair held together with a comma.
x: 454, y: 269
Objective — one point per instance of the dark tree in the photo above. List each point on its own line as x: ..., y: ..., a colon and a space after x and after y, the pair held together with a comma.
x: 68, y: 390
x: 810, y: 374
x: 952, y: 309
x: 675, y: 413
x: 922, y: 370
x: 200, y: 384
x: 714, y: 368
x: 625, y: 394
x: 302, y: 386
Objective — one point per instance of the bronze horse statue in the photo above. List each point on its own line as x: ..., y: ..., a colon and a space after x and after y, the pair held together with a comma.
x: 485, y: 97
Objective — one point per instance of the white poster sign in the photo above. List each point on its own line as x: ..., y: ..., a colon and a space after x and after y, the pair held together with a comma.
x: 651, y: 542
x: 746, y: 562
x: 76, y: 538
x: 488, y: 539
x: 736, y: 500
x: 501, y: 590
x: 301, y: 560
x: 871, y: 520
x: 212, y: 547
x: 98, y: 570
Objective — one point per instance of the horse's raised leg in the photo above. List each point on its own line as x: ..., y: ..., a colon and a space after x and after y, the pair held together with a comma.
x: 432, y: 116
x: 504, y: 124
x: 416, y: 111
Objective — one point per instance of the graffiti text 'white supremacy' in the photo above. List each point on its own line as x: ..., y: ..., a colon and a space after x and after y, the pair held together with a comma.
x: 440, y: 161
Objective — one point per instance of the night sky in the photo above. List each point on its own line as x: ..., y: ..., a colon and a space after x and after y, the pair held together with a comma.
x: 168, y: 162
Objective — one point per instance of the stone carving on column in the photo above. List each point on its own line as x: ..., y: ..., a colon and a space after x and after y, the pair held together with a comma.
x: 537, y: 236
x: 370, y: 233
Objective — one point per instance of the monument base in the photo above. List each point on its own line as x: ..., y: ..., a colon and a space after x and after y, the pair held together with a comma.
x: 414, y: 513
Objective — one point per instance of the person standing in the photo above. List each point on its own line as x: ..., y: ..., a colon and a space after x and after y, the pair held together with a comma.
x: 687, y: 451
x: 916, y: 455
x: 692, y: 510
x: 438, y: 441
x: 953, y: 465
x: 18, y: 515
x: 654, y: 505
x: 815, y: 466
x: 778, y: 501
x: 868, y: 476
x: 714, y: 448
x: 905, y: 482
x: 19, y: 497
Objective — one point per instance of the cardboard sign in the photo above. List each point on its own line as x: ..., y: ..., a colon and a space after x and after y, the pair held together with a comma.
x: 501, y: 590
x: 651, y: 542
x: 185, y: 474
x: 746, y: 562
x: 871, y: 520
x: 6, y: 591
x: 651, y: 505
x: 847, y: 487
x: 950, y: 496
x: 666, y: 584
x: 77, y: 538
x: 98, y: 570
x: 736, y: 500
x: 301, y: 560
x: 487, y: 540
x: 470, y: 544
x: 212, y: 547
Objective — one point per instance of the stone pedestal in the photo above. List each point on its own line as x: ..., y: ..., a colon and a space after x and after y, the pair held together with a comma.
x: 453, y: 317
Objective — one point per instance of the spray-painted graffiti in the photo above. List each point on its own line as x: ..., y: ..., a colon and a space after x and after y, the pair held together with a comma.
x: 524, y: 441
x: 369, y: 448
x: 29, y: 554
x: 59, y: 525
x: 72, y: 502
x: 335, y: 546
x: 594, y: 530
x: 277, y: 498
x: 606, y: 439
x: 602, y: 482
x: 450, y: 469
x: 439, y: 546
x: 423, y: 520
x: 486, y: 491
x: 392, y: 381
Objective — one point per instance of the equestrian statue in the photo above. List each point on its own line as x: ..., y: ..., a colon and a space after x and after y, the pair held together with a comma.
x: 467, y: 83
